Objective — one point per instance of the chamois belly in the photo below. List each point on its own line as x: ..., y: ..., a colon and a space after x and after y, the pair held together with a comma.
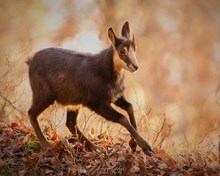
x: 102, y: 95
x: 75, y: 95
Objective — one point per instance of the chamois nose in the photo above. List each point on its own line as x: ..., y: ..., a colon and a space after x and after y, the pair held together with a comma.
x: 135, y: 66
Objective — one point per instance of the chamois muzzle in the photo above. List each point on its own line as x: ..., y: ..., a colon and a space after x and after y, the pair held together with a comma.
x: 133, y: 67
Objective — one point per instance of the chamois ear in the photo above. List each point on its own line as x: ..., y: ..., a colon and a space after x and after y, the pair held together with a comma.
x: 112, y: 36
x: 133, y: 39
x: 125, y: 32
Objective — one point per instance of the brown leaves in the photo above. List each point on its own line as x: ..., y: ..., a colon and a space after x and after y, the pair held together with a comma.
x: 214, y: 156
x: 20, y: 154
x: 2, y: 163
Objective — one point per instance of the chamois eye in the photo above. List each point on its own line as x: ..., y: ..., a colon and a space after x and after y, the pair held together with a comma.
x: 122, y: 51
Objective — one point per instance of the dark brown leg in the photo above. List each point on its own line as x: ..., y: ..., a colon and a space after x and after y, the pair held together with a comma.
x: 71, y: 123
x: 110, y: 114
x: 34, y: 111
x: 124, y: 104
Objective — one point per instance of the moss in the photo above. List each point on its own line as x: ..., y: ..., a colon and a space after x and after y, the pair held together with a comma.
x: 4, y: 170
x: 32, y: 146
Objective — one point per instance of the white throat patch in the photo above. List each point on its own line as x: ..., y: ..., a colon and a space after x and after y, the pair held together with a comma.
x: 119, y: 64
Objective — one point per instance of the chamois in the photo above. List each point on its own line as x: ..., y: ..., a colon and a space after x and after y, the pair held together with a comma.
x: 91, y: 80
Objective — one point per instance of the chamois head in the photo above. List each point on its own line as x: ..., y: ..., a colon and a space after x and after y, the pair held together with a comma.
x: 124, y: 49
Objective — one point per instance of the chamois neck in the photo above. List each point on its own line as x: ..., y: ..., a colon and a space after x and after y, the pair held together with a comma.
x: 118, y: 64
x: 107, y: 64
x: 114, y: 58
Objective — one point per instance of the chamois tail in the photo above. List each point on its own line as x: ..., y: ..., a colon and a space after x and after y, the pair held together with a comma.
x: 29, y: 60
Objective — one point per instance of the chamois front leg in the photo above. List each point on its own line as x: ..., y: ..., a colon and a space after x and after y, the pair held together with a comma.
x: 110, y: 114
x: 124, y: 104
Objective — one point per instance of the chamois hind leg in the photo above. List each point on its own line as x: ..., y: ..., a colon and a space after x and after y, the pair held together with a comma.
x: 71, y: 123
x: 124, y: 104
x: 36, y: 108
x: 110, y: 114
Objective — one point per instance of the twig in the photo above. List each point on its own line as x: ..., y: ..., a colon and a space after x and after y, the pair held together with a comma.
x: 86, y: 121
x: 188, y: 144
x: 136, y: 96
x: 10, y: 68
x: 12, y: 105
x: 217, y: 94
x: 145, y: 115
x: 3, y: 106
x: 58, y: 119
x: 219, y: 150
x: 211, y: 146
x: 4, y: 74
x: 207, y: 133
x: 163, y: 139
x: 19, y: 83
x: 161, y: 129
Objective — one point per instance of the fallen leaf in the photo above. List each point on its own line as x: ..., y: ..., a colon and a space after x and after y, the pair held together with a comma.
x: 54, y: 136
x: 48, y: 171
x: 81, y: 170
x: 172, y: 164
x: 14, y: 125
x: 90, y: 155
x: 22, y: 172
x: 3, y: 125
x: 163, y: 166
x: 161, y: 152
x: 136, y: 169
x: 92, y: 131
x: 53, y: 160
x: 2, y: 163
x: 214, y: 156
x: 9, y: 133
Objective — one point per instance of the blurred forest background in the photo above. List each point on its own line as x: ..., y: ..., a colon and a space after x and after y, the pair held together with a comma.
x: 176, y: 91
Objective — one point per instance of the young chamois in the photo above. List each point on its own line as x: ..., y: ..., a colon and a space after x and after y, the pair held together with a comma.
x: 92, y: 80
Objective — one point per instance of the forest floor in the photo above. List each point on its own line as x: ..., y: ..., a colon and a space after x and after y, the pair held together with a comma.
x: 21, y: 155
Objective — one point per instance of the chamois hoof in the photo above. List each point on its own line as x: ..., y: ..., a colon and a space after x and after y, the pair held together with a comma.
x: 149, y: 151
x: 88, y: 144
x: 132, y: 145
